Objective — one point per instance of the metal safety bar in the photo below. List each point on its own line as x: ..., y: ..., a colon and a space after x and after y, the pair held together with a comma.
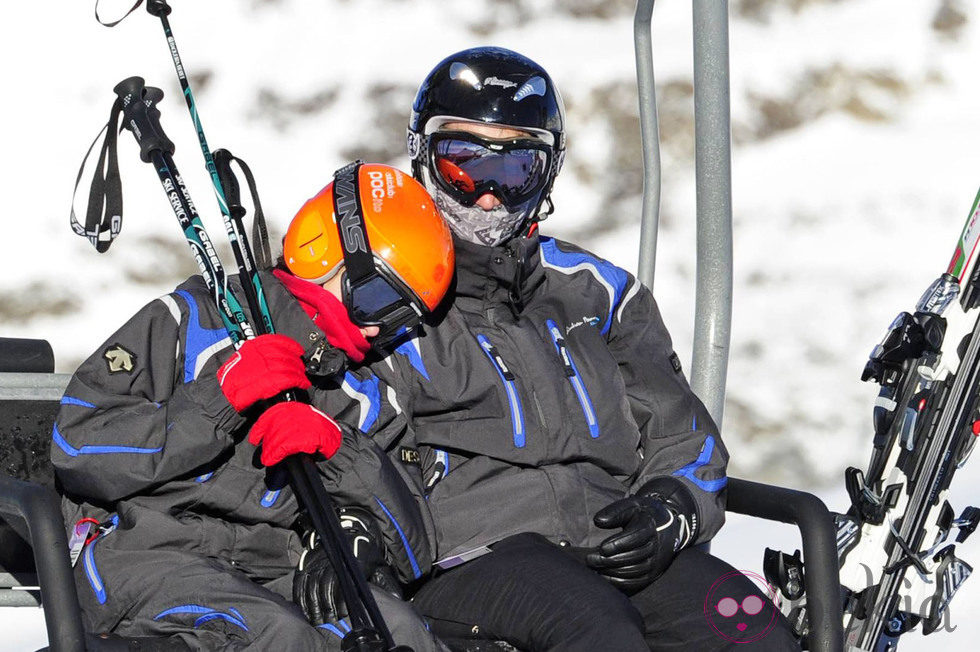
x: 713, y: 309
x: 32, y: 386
x: 650, y: 131
x: 820, y: 571
x: 35, y: 511
x: 713, y: 171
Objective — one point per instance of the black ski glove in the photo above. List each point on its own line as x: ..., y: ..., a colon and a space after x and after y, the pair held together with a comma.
x: 315, y: 586
x: 659, y: 520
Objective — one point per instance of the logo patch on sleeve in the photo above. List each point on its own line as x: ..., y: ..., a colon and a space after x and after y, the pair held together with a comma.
x: 675, y: 362
x: 119, y: 359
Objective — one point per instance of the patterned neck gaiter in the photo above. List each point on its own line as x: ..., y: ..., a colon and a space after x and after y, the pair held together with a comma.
x: 473, y: 224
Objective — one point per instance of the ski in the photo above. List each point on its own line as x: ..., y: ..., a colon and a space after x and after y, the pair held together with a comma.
x: 895, y: 570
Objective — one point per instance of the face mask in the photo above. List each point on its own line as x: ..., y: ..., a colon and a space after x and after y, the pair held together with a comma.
x: 473, y: 224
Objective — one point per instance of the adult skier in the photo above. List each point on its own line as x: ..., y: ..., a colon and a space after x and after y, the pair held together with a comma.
x: 569, y: 469
x: 183, y: 527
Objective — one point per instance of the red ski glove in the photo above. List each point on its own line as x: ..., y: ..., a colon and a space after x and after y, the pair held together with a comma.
x: 262, y: 368
x: 328, y: 313
x: 289, y: 428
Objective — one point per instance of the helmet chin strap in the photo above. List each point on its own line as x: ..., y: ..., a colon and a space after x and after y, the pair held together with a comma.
x: 531, y: 224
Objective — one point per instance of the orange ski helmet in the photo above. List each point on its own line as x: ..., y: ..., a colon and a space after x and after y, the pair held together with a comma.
x: 411, y: 247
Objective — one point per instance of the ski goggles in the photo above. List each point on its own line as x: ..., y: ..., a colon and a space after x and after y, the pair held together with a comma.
x: 372, y: 293
x: 467, y: 167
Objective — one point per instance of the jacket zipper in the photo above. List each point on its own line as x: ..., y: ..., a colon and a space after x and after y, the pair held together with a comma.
x: 440, y: 469
x: 88, y: 559
x: 571, y: 372
x: 507, y: 377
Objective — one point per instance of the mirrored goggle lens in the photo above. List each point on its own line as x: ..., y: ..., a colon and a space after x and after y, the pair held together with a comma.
x: 468, y: 169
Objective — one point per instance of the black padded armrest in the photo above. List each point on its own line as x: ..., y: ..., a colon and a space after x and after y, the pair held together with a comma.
x: 821, y: 567
x: 37, y: 511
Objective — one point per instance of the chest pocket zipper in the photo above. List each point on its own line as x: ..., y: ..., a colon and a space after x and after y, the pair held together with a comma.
x: 507, y: 378
x: 440, y: 470
x: 571, y: 372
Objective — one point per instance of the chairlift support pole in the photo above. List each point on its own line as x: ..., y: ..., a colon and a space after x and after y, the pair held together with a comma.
x: 713, y: 171
x: 713, y: 310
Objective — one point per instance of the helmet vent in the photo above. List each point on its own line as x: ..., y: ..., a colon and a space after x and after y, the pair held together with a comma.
x: 533, y: 86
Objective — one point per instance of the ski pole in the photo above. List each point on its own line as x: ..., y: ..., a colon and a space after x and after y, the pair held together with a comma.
x: 302, y: 467
x: 254, y: 294
x: 141, y: 117
x: 224, y: 185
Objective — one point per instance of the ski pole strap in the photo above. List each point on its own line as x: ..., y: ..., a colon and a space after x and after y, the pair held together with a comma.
x: 229, y: 184
x: 103, y: 218
x: 115, y: 22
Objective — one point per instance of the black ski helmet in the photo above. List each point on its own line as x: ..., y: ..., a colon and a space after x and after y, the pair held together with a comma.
x: 491, y: 85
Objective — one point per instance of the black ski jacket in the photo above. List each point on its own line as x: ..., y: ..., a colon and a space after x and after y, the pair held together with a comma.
x: 145, y: 434
x: 547, y: 389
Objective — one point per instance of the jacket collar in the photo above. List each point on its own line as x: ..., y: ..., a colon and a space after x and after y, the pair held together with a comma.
x: 508, y: 273
x: 321, y: 358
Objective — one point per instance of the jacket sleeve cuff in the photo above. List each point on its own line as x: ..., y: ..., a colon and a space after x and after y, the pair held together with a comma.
x: 206, y: 394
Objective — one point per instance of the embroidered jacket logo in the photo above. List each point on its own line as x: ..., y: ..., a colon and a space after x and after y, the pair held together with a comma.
x: 119, y: 359
x: 591, y: 321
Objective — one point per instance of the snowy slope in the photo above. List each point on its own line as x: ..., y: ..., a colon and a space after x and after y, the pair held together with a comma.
x: 853, y: 171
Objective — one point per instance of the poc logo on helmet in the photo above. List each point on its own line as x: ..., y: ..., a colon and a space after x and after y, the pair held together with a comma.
x: 382, y: 186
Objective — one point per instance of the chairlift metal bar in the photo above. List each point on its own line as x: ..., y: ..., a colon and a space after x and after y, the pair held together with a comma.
x: 714, y: 290
x: 713, y: 170
x: 712, y: 119
x: 36, y: 511
x: 650, y: 130
x: 15, y: 386
x: 810, y: 515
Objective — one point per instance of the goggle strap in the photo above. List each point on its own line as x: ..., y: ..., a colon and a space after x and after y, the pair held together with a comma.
x: 358, y: 259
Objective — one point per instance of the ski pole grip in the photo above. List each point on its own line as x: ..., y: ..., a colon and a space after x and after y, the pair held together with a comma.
x: 229, y: 183
x: 141, y: 116
x: 158, y: 8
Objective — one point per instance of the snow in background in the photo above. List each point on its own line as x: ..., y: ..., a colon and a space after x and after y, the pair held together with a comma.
x: 855, y: 160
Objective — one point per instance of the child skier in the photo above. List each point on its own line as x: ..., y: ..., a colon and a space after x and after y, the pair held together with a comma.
x: 182, y: 523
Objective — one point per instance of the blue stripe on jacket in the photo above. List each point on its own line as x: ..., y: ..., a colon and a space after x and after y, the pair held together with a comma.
x: 703, y: 458
x: 416, y: 571
x: 207, y: 614
x: 411, y: 350
x: 199, y: 339
x: 368, y: 394
x: 613, y: 278
x: 71, y: 451
x: 71, y: 400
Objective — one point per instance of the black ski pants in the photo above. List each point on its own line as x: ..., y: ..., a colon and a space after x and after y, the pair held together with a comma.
x: 532, y: 594
x: 209, y: 604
